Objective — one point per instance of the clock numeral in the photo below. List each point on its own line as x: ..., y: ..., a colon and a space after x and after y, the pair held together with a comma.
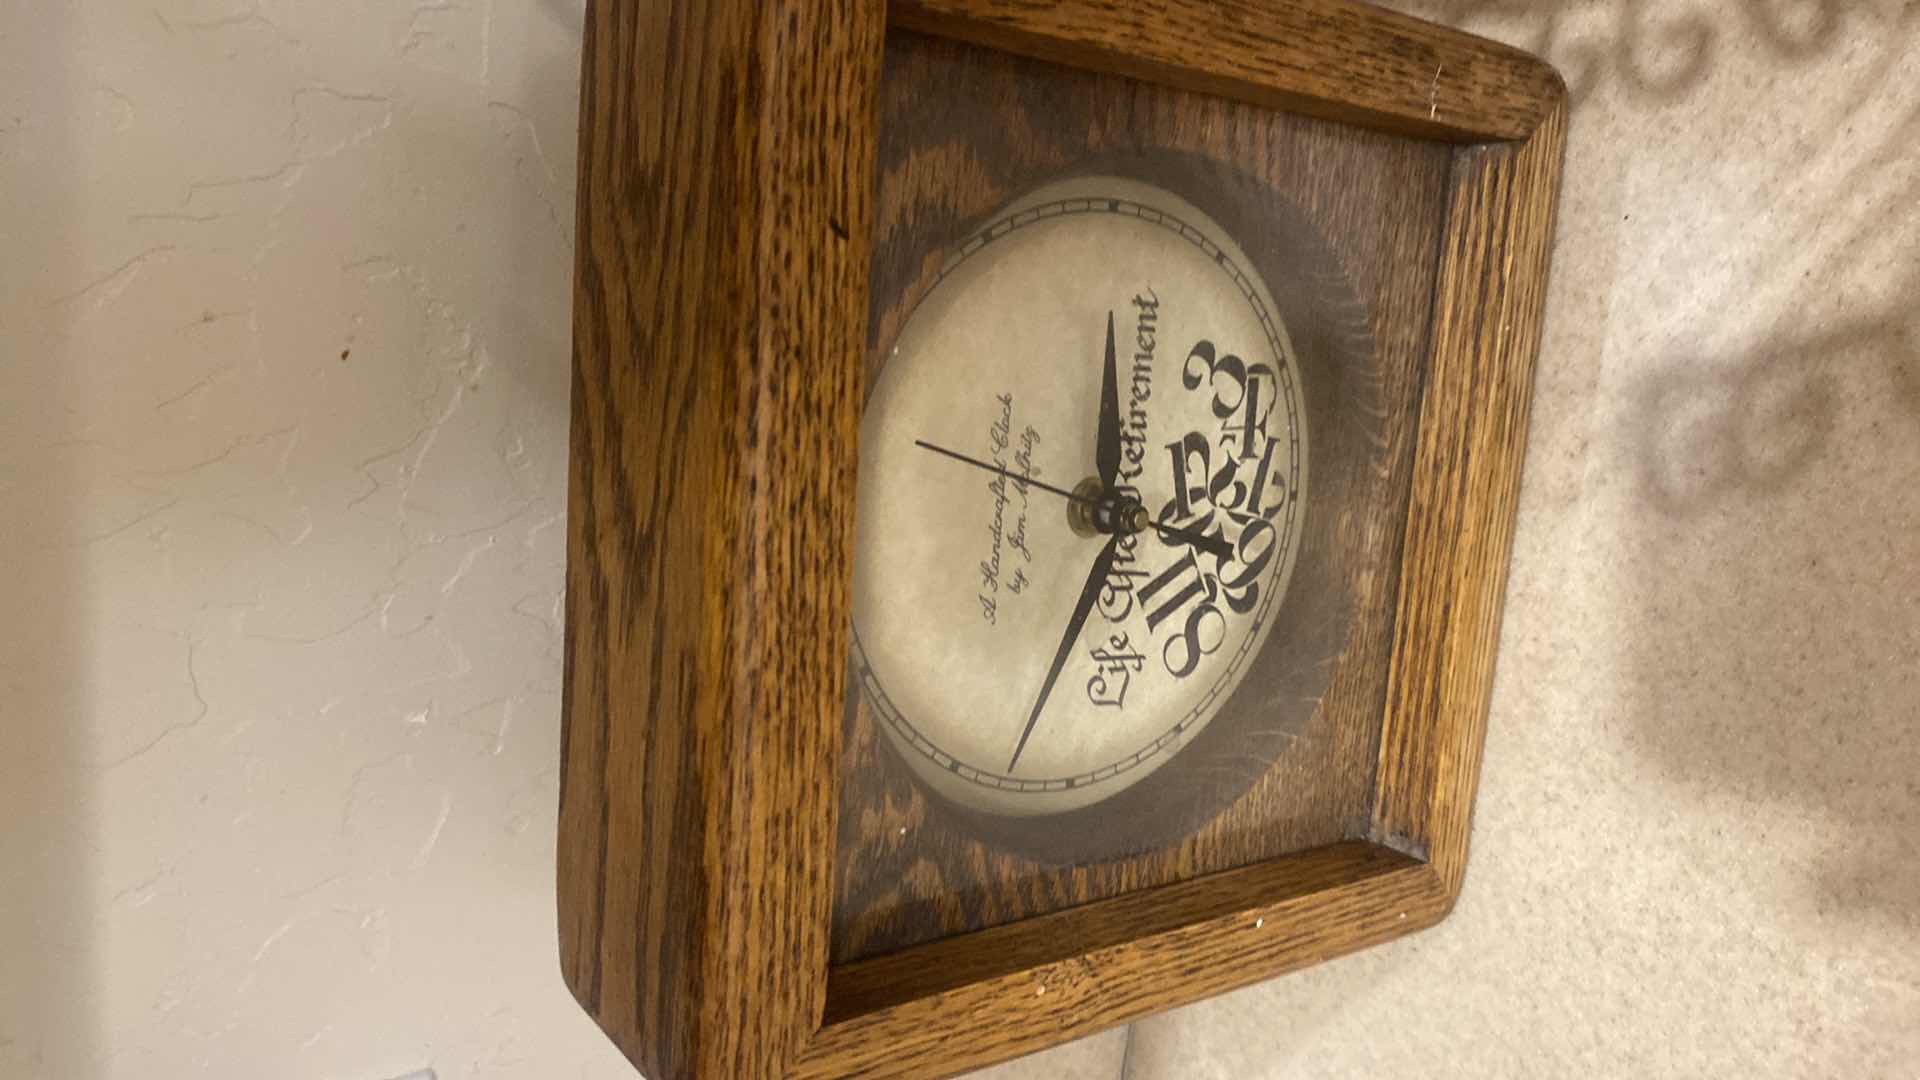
x: 1258, y: 492
x: 1185, y: 495
x: 1197, y: 584
x: 1189, y: 639
x: 1242, y: 589
x: 1218, y: 367
x: 1236, y: 389
x: 1224, y: 490
x: 1246, y: 433
x: 1250, y: 419
x: 1214, y: 496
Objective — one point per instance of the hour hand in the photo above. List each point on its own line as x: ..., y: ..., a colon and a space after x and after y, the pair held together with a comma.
x: 1106, y: 447
x: 1215, y: 545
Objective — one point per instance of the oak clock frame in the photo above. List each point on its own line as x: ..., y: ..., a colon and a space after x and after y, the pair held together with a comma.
x: 724, y: 223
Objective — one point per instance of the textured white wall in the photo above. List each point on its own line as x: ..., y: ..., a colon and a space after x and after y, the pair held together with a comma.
x: 284, y: 332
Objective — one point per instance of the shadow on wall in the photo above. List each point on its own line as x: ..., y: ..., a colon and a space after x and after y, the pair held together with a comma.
x: 1782, y: 594
x: 1779, y: 630
x: 1653, y: 52
x: 1765, y: 546
x: 49, y: 1022
x: 182, y: 804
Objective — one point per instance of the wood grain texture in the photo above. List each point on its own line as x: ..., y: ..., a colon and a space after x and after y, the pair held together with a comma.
x: 1309, y: 200
x: 1466, y: 488
x: 1333, y: 59
x: 724, y: 212
x: 950, y: 1006
x: 724, y: 216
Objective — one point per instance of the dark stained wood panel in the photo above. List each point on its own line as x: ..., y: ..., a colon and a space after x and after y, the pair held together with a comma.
x: 962, y: 130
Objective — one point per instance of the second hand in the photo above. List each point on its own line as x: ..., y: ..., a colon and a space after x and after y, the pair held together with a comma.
x: 1209, y: 544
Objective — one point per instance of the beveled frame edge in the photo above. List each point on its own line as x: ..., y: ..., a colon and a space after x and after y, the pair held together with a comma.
x: 699, y: 942
x: 985, y: 997
x: 1334, y: 59
x: 722, y: 242
x: 1474, y: 409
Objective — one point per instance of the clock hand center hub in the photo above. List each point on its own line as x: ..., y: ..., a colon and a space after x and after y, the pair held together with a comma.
x: 1096, y: 511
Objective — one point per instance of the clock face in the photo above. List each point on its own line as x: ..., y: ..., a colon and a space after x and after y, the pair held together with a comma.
x: 1082, y: 478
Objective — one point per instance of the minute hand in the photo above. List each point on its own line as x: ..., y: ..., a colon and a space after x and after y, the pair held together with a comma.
x: 1211, y: 545
x: 1089, y: 594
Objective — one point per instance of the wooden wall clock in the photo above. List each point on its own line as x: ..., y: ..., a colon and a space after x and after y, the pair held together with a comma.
x: 1042, y: 484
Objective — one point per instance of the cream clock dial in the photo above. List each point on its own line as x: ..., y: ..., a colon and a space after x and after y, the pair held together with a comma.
x: 1083, y: 472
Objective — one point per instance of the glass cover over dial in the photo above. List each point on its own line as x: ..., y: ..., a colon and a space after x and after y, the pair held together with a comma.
x: 1082, y: 474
